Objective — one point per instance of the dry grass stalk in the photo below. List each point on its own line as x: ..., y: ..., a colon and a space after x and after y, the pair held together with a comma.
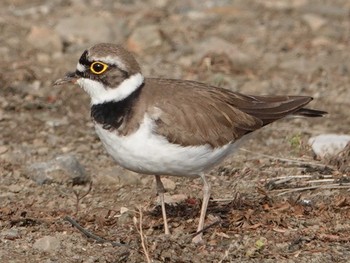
x: 329, y: 186
x: 286, y: 160
x: 143, y: 240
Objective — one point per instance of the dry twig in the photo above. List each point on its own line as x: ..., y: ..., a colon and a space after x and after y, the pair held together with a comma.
x: 206, y: 228
x: 91, y: 235
x: 143, y: 240
x: 329, y: 186
x: 286, y: 160
x: 298, y: 176
x: 80, y: 197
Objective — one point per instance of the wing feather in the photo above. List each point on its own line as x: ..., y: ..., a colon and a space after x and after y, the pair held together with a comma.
x: 193, y: 113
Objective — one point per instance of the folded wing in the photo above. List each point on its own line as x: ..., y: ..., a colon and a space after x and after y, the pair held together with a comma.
x: 197, y: 114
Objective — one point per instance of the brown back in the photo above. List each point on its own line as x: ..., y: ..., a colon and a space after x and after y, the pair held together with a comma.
x: 193, y: 113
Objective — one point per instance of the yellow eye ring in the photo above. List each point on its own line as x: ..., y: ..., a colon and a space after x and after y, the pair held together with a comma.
x: 98, y: 67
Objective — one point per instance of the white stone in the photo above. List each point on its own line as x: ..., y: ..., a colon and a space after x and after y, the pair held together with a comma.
x: 328, y: 144
x: 47, y: 243
x: 168, y: 184
x: 173, y: 199
x: 315, y: 22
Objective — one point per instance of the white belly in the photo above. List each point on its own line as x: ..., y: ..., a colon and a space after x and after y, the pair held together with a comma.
x: 149, y: 153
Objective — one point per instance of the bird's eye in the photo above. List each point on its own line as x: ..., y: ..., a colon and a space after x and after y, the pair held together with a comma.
x: 98, y: 67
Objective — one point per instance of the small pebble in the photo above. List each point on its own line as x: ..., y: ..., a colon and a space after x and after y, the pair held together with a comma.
x: 47, y: 244
x: 10, y: 234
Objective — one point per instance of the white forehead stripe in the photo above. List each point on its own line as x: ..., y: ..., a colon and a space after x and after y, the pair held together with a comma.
x: 112, y: 61
x: 80, y: 67
x: 99, y: 94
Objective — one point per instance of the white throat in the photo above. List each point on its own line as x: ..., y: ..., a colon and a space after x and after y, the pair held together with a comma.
x: 99, y: 94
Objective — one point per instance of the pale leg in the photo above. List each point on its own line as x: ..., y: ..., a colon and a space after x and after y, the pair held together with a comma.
x: 206, y: 195
x: 160, y: 192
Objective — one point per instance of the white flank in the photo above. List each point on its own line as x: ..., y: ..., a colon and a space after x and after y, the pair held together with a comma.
x: 149, y: 153
x: 80, y: 67
x: 100, y: 94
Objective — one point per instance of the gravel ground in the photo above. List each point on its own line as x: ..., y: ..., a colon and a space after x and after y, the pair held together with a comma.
x: 52, y: 165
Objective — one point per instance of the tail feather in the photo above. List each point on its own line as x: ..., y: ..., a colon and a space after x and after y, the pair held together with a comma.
x: 309, y: 112
x: 271, y: 108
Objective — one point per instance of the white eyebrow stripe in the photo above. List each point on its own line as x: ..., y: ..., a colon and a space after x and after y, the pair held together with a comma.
x: 80, y: 67
x: 111, y: 60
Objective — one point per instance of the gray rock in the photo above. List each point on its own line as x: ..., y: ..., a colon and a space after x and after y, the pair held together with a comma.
x: 10, y: 234
x: 126, y: 216
x: 328, y: 144
x: 116, y: 175
x: 326, y: 10
x: 146, y: 39
x: 283, y: 5
x: 173, y: 199
x: 32, y: 10
x: 3, y: 149
x: 321, y: 42
x: 90, y: 29
x: 269, y: 60
x: 20, y: 154
x: 218, y: 45
x: 168, y: 184
x: 34, y: 88
x: 47, y: 244
x: 56, y: 122
x: 45, y: 39
x: 129, y: 178
x: 299, y: 65
x: 315, y: 22
x: 15, y: 188
x: 62, y: 169
x: 251, y: 86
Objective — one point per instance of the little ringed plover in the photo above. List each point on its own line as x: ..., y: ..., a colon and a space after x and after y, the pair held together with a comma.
x: 167, y: 126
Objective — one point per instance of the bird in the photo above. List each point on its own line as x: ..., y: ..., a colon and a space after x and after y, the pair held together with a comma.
x: 170, y: 127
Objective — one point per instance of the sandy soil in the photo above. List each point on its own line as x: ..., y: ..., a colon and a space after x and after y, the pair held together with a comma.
x: 256, y: 214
